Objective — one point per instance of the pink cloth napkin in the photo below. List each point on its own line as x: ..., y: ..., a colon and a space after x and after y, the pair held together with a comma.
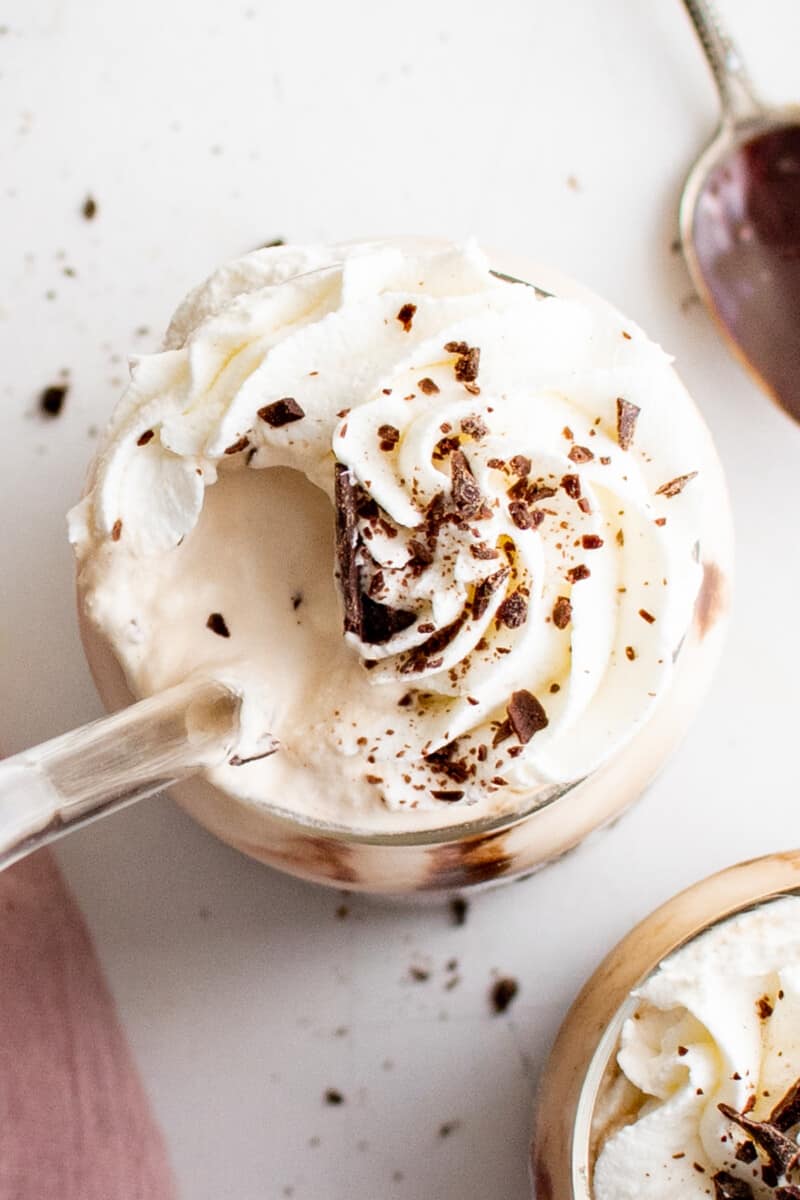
x: 75, y: 1123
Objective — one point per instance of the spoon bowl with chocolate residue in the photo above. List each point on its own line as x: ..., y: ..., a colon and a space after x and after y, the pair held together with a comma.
x: 740, y: 220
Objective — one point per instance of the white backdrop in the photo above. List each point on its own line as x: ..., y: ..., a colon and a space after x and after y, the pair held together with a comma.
x: 203, y: 130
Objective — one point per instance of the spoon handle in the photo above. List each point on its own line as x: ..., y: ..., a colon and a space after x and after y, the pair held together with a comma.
x: 70, y: 780
x: 739, y: 101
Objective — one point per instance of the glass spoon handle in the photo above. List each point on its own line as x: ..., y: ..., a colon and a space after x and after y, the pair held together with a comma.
x: 739, y: 101
x: 88, y: 772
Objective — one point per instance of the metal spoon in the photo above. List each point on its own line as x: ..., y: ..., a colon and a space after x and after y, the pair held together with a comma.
x: 740, y: 220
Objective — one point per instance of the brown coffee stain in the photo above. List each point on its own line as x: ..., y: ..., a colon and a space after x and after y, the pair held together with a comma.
x: 459, y: 864
x: 712, y: 599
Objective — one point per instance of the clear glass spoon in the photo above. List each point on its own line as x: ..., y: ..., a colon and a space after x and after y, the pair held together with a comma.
x: 84, y: 774
x: 740, y: 220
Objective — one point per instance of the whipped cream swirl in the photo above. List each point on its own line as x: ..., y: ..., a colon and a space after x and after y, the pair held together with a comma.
x: 515, y: 485
x: 717, y: 1024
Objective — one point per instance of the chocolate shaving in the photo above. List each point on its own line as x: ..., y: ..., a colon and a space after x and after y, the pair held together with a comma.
x: 520, y: 464
x: 389, y: 436
x: 572, y: 486
x: 89, y: 209
x: 467, y: 498
x: 379, y: 622
x: 281, y: 412
x: 789, y: 1191
x: 485, y: 590
x: 421, y: 556
x: 346, y: 493
x: 786, y: 1112
x: 728, y: 1187
x: 576, y: 574
x: 746, y: 1152
x: 217, y: 624
x: 468, y: 365
x: 627, y: 416
x: 562, y: 612
x: 580, y: 454
x: 526, y: 715
x: 764, y: 1008
x: 237, y: 447
x: 456, y: 347
x: 591, y: 541
x: 513, y: 612
x: 116, y: 530
x: 427, y: 386
x: 524, y: 517
x: 482, y: 551
x: 146, y: 437
x: 406, y: 316
x: 450, y: 797
x: 781, y: 1151
x: 372, y: 622
x: 501, y: 734
x: 474, y: 427
x: 675, y: 486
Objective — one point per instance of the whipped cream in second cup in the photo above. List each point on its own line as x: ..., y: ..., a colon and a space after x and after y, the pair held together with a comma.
x: 439, y: 530
x: 717, y: 1024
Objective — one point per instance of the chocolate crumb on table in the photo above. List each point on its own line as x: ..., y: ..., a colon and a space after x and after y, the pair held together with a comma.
x: 503, y: 993
x: 89, y: 208
x: 627, y: 416
x: 281, y: 412
x: 51, y: 400
x: 333, y: 1096
x: 217, y: 624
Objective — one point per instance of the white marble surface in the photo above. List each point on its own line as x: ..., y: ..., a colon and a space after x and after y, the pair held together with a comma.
x: 203, y: 130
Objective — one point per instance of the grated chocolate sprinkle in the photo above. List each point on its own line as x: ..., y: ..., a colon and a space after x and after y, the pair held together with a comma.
x: 627, y: 416
x: 281, y: 412
x: 513, y: 612
x: 526, y: 715
x: 675, y: 486
x: 406, y: 316
x: 562, y: 612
